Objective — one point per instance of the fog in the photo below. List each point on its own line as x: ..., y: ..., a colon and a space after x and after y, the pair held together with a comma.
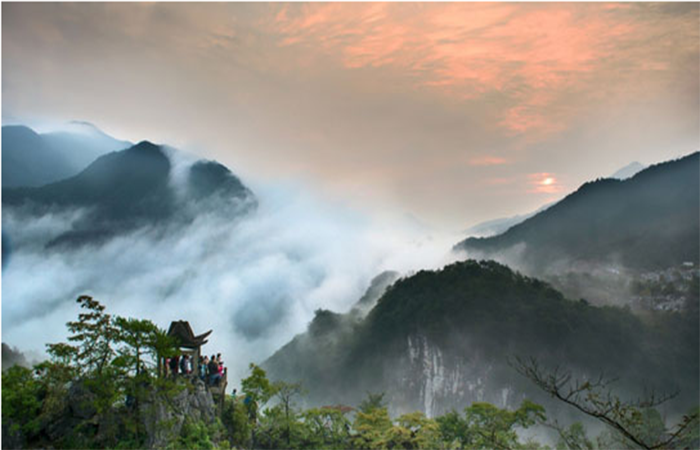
x: 255, y: 280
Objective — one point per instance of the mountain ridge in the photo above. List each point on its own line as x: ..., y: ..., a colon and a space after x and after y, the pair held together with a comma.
x: 129, y: 189
x: 648, y: 221
x: 32, y: 159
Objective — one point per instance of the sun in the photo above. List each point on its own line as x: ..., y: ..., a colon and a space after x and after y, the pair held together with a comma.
x: 548, y: 181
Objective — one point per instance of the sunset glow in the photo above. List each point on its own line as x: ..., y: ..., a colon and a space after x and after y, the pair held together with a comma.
x: 545, y: 183
x: 380, y: 104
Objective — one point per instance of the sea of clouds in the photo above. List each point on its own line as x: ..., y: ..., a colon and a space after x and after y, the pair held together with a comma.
x: 255, y: 280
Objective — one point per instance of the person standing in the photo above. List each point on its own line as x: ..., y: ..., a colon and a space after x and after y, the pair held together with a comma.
x: 174, y: 365
x: 214, y: 375
x: 203, y: 369
x: 185, y: 367
x: 220, y: 362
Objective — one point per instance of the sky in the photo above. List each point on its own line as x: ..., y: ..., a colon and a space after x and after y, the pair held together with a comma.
x: 447, y: 113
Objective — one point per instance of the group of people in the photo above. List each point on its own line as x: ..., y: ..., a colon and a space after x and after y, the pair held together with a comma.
x: 179, y: 365
x: 211, y: 370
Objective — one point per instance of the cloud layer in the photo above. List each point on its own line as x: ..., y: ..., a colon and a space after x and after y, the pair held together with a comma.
x: 255, y: 281
x: 387, y: 104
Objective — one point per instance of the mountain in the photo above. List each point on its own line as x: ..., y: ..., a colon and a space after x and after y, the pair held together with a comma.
x: 30, y: 159
x: 82, y: 142
x: 27, y: 160
x: 12, y: 356
x: 498, y: 226
x: 129, y: 189
x: 628, y: 171
x: 443, y: 339
x: 647, y: 222
x: 376, y: 289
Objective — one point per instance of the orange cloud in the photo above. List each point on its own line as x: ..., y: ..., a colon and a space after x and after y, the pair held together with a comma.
x: 535, y: 56
x: 500, y: 181
x: 487, y: 161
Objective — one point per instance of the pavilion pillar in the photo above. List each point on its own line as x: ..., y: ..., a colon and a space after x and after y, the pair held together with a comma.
x: 195, y: 362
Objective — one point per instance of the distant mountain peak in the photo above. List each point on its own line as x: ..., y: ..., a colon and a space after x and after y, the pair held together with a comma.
x: 146, y: 146
x: 629, y: 170
x: 85, y: 127
x: 497, y: 226
x: 19, y: 129
x: 85, y: 123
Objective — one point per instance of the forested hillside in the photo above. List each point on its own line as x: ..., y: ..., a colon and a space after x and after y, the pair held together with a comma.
x: 444, y: 339
x: 106, y: 388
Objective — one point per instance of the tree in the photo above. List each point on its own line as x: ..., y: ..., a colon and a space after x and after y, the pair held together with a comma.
x: 258, y: 390
x: 372, y: 401
x: 414, y: 431
x: 163, y: 346
x: 257, y: 387
x: 371, y: 429
x: 136, y: 336
x: 20, y: 400
x: 279, y: 427
x: 486, y: 426
x: 143, y: 344
x: 95, y: 335
x: 90, y: 358
x: 636, y: 422
x: 235, y: 419
x: 285, y: 393
x: 327, y: 428
x: 572, y: 438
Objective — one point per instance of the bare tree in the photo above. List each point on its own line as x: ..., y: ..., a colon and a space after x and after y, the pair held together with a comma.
x: 595, y: 399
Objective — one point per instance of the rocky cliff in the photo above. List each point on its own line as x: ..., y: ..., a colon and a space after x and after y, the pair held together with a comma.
x: 77, y: 415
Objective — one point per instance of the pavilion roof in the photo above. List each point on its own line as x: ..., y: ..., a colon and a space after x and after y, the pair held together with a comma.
x: 182, y: 331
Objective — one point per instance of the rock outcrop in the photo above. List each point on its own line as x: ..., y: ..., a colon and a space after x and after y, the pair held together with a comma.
x: 75, y: 415
x: 164, y: 417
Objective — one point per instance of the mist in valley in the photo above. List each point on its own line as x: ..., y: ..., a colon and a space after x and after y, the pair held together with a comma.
x: 254, y: 278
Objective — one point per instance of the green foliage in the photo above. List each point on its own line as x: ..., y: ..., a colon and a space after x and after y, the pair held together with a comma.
x: 235, y: 419
x: 109, y: 361
x: 414, y: 431
x: 486, y: 310
x: 138, y: 336
x: 117, y: 363
x: 20, y: 400
x: 257, y: 386
x: 326, y: 428
x: 279, y: 429
x: 372, y: 428
x: 372, y: 401
x: 95, y: 335
x: 199, y: 435
x: 486, y: 426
